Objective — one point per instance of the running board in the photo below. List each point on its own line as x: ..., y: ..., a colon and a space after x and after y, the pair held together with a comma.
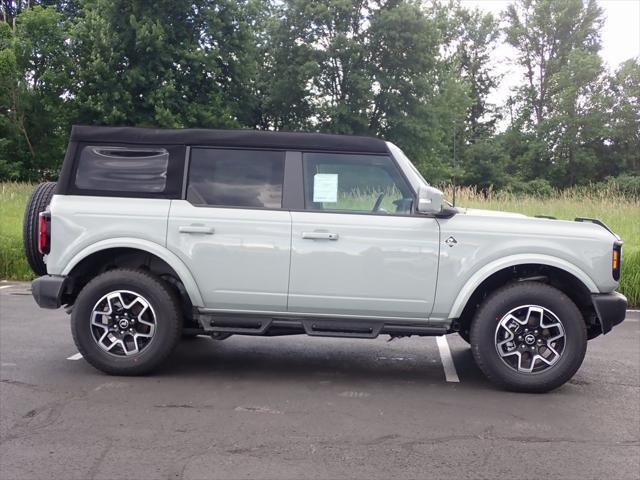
x: 242, y: 324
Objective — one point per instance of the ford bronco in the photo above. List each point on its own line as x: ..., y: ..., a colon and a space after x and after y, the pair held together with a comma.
x: 154, y: 234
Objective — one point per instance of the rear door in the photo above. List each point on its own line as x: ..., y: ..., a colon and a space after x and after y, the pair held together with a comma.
x: 357, y: 248
x: 231, y: 230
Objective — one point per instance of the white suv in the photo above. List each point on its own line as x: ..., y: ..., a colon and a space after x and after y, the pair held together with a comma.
x: 151, y: 234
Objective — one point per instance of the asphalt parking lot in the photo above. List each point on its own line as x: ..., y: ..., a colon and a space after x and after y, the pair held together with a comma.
x: 299, y: 407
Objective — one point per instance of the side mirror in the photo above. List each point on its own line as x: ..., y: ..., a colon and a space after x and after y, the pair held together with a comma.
x: 430, y: 200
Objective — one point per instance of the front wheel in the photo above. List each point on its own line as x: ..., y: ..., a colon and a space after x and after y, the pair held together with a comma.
x: 126, y: 322
x: 528, y: 337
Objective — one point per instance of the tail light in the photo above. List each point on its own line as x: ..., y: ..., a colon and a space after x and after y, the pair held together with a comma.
x: 44, y: 232
x: 616, y: 260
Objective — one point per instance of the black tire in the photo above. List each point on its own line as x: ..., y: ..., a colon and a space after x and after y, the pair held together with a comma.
x: 464, y: 334
x: 503, y: 301
x: 189, y: 336
x: 168, y: 321
x: 38, y: 202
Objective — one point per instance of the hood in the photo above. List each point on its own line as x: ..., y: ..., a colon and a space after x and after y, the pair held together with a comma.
x: 551, y: 226
x: 490, y: 213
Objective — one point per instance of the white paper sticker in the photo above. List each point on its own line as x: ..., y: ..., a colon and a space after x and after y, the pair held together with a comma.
x: 325, y: 187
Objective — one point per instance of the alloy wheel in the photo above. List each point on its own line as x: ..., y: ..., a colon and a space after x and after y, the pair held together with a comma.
x: 123, y: 323
x: 530, y: 339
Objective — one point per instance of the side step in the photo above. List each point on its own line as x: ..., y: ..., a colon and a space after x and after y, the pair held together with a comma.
x: 240, y: 324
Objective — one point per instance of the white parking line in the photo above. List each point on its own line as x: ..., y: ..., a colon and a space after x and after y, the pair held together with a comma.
x: 5, y: 286
x: 76, y: 356
x: 450, y: 373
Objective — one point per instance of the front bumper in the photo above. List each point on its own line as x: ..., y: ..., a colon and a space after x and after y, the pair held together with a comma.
x: 49, y: 290
x: 610, y: 308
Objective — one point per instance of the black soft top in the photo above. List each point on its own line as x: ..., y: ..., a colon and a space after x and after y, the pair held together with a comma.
x: 227, y: 138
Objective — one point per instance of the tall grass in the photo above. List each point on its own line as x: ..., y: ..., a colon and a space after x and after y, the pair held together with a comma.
x: 13, y: 197
x: 622, y: 214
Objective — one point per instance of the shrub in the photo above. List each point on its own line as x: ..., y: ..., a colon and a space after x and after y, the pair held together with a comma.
x: 625, y: 184
x: 539, y: 187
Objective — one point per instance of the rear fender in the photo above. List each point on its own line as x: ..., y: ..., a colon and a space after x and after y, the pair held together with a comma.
x: 171, y: 259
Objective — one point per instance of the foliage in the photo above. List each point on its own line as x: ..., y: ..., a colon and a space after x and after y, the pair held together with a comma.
x: 625, y: 184
x: 34, y: 67
x: 13, y: 199
x: 417, y: 73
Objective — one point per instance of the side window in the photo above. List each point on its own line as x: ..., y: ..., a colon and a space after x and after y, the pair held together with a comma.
x: 122, y: 169
x: 236, y: 178
x: 355, y: 183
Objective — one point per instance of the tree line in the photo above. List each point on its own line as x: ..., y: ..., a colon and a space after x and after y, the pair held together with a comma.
x: 419, y: 74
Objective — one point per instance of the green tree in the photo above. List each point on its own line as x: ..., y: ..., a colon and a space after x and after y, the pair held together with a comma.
x: 288, y: 64
x: 623, y: 95
x: 468, y: 39
x: 557, y: 44
x: 167, y: 63
x: 34, y: 66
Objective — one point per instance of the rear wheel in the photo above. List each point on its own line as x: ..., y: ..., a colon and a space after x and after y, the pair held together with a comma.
x: 528, y: 337
x: 464, y: 334
x: 37, y: 203
x: 126, y: 322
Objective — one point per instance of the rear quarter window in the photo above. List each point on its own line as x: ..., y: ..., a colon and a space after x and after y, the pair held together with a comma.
x: 122, y: 169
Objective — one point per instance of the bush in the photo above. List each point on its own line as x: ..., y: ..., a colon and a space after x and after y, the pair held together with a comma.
x: 539, y: 187
x: 625, y: 184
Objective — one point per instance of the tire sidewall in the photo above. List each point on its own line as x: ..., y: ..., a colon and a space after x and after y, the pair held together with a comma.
x: 38, y: 202
x: 497, y: 306
x: 164, y: 307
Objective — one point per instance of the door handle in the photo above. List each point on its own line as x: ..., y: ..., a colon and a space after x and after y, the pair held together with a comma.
x: 195, y: 229
x: 320, y: 236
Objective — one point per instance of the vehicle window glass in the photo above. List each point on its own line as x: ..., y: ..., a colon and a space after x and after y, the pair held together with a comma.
x: 355, y: 183
x: 123, y: 169
x: 236, y: 178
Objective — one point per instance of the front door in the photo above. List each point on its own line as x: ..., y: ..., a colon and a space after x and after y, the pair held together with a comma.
x: 357, y: 248
x: 231, y: 231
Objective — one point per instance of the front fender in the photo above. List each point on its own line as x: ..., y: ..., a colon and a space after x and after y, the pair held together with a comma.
x: 146, y: 246
x: 511, y: 261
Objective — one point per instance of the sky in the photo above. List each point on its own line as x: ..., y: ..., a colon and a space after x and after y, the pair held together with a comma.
x: 620, y: 39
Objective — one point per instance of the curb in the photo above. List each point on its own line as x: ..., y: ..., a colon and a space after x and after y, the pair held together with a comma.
x: 635, y: 314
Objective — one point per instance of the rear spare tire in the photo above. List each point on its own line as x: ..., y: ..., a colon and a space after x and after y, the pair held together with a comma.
x: 38, y: 202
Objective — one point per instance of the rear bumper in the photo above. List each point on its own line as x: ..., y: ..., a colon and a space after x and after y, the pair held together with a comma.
x: 48, y: 290
x: 610, y: 308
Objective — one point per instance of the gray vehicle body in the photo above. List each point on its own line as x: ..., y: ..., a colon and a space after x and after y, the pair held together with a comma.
x: 424, y: 271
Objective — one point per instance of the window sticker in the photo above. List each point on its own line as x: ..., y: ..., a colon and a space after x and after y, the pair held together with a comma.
x: 325, y: 187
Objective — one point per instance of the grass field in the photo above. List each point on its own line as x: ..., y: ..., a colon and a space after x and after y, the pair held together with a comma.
x: 620, y: 213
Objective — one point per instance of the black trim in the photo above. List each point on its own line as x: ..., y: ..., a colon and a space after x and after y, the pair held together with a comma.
x: 65, y: 179
x: 227, y: 138
x: 273, y: 325
x: 48, y: 290
x: 293, y: 189
x: 597, y: 222
x: 185, y: 177
x: 611, y: 308
x: 447, y: 212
